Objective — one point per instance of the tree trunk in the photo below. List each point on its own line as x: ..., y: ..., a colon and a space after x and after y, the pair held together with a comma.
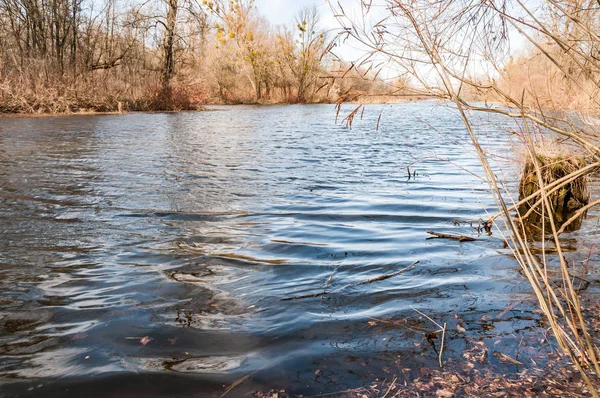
x: 169, y: 53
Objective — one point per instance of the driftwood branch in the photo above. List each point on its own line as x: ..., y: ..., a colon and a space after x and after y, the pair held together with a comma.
x: 460, y: 238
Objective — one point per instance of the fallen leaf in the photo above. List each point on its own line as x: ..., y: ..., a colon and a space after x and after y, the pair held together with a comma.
x: 444, y: 394
x: 425, y: 371
x: 506, y: 359
x: 145, y: 340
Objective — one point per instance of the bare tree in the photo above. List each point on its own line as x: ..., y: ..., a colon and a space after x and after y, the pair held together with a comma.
x: 306, y: 64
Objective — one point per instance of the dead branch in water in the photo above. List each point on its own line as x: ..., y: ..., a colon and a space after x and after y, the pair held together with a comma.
x: 384, y: 277
x: 379, y: 278
x: 460, y: 238
x: 303, y: 297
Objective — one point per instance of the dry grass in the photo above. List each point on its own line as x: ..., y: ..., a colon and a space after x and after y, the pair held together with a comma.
x: 106, y: 92
x: 567, y: 200
x: 545, y: 84
x: 439, y: 44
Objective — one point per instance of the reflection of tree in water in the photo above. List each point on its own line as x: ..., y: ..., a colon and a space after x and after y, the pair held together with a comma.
x: 47, y: 192
x: 214, y: 160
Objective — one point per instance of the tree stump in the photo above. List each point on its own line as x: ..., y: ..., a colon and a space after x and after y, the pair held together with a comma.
x: 565, y: 201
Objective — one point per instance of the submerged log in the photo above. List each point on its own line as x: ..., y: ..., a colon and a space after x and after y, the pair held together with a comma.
x: 564, y: 202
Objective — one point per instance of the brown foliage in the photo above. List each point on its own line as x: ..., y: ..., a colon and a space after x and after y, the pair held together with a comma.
x: 71, y: 56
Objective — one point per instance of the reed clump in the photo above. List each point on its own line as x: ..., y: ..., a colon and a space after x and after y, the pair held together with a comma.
x: 564, y: 202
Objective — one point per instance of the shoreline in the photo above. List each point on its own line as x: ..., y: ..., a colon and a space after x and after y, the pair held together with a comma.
x: 367, y: 100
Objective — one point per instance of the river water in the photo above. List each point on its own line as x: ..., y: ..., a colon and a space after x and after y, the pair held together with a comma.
x: 159, y: 254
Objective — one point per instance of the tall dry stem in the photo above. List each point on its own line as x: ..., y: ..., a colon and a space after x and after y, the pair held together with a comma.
x: 453, y: 50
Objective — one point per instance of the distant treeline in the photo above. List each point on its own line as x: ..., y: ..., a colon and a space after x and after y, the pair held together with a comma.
x: 106, y: 55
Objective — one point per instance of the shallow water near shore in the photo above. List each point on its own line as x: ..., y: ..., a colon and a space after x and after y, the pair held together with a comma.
x: 160, y: 254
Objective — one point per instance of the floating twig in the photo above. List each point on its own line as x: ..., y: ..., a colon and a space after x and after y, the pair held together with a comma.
x: 240, y: 381
x: 509, y: 307
x: 460, y: 238
x: 237, y: 383
x: 393, y: 385
x: 384, y: 277
x: 303, y: 297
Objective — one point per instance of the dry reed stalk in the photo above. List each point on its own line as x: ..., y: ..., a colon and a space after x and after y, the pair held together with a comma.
x: 437, y: 43
x: 577, y: 216
x: 560, y: 306
x: 580, y: 348
x: 583, y: 350
x: 442, y: 330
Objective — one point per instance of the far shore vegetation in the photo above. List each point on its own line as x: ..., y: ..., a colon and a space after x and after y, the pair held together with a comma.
x: 75, y: 56
x: 105, y: 56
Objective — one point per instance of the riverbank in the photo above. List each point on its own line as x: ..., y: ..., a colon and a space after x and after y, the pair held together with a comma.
x: 92, y: 113
x: 73, y: 110
x: 560, y: 378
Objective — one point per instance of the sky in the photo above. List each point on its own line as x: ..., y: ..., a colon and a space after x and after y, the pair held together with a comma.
x: 281, y: 12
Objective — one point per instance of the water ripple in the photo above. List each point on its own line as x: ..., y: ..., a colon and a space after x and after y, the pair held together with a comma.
x: 167, y: 243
